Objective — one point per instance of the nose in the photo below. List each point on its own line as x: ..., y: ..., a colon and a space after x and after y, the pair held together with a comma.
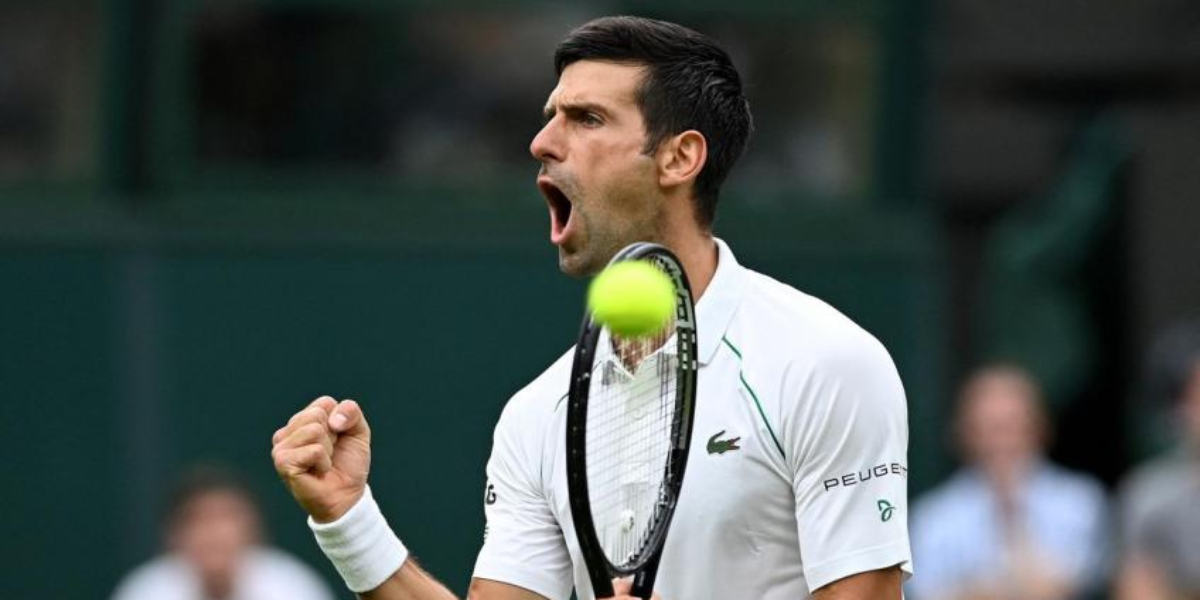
x: 547, y: 144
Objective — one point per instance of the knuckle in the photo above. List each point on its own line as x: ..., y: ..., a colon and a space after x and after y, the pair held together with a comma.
x: 281, y: 464
x: 315, y: 453
x: 313, y: 430
x: 317, y: 414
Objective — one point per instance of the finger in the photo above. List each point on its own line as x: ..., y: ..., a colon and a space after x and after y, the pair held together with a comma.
x: 348, y: 419
x: 622, y: 587
x: 325, y: 402
x: 310, y: 433
x: 290, y: 462
x: 312, y: 414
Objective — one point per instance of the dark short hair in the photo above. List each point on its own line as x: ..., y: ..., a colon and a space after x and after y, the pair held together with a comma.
x: 690, y: 83
x: 203, y: 479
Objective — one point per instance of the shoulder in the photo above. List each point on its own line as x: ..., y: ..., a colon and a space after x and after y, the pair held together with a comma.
x: 274, y: 573
x: 816, y: 371
x: 802, y: 329
x: 815, y: 352
x: 1158, y: 476
x: 277, y: 562
x: 161, y: 577
x: 521, y: 441
x: 1153, y: 485
x: 536, y: 403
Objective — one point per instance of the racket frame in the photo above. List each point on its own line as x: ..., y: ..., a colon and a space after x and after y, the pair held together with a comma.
x: 644, y: 567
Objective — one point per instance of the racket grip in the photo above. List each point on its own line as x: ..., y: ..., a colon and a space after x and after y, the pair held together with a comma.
x: 602, y: 588
x: 643, y: 581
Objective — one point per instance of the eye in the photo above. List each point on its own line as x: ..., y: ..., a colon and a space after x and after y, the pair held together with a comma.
x: 591, y: 120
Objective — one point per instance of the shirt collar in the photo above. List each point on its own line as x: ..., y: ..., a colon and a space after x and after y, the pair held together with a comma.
x: 716, y: 307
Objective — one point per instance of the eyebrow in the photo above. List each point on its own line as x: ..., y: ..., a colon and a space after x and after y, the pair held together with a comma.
x: 573, y: 108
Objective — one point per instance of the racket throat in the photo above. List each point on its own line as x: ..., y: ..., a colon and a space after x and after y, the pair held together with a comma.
x: 643, y: 581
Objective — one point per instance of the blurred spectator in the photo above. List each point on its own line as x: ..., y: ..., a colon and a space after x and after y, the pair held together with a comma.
x: 214, y: 551
x: 1160, y: 524
x: 1009, y: 525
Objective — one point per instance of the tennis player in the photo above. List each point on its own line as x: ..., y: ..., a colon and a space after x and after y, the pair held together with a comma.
x: 797, y: 481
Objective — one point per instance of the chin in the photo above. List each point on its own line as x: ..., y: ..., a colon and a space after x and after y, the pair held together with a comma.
x: 571, y: 268
x: 576, y: 265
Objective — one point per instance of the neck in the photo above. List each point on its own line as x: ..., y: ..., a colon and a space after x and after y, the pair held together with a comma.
x: 697, y: 251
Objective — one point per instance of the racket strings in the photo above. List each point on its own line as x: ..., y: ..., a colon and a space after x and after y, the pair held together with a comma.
x: 632, y: 413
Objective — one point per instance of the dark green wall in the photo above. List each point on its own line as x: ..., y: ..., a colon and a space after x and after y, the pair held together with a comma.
x: 126, y: 360
x: 169, y: 310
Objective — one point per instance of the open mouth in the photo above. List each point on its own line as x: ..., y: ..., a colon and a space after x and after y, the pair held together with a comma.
x: 560, y: 209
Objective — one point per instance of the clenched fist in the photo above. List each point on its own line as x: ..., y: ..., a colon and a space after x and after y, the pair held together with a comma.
x: 323, y: 455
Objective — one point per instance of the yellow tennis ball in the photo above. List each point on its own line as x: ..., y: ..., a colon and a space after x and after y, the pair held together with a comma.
x: 632, y: 298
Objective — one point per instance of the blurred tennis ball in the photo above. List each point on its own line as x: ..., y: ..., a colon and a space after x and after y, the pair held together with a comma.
x: 632, y: 298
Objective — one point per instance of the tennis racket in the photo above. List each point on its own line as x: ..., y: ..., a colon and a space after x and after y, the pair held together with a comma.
x: 629, y: 426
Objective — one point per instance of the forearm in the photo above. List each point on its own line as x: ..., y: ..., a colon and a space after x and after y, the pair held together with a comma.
x: 410, y: 582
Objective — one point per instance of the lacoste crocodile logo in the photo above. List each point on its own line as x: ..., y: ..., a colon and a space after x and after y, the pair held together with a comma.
x: 716, y: 446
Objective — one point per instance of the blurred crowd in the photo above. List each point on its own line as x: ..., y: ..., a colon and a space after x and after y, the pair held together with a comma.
x: 214, y: 549
x: 1011, y: 524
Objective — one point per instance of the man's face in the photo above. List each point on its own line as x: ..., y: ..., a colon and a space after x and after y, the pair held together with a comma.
x: 1000, y: 424
x: 212, y: 532
x: 601, y: 188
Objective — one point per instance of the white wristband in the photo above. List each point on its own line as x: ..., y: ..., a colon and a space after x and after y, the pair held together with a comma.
x: 361, y: 545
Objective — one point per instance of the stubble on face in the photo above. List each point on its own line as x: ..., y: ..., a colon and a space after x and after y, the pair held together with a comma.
x: 603, y: 169
x: 611, y: 215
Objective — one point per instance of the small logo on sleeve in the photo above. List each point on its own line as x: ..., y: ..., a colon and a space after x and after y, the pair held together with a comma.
x: 489, y: 496
x: 886, y: 510
x: 716, y: 446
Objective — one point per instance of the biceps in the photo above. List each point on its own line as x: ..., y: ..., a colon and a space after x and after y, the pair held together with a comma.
x: 883, y: 584
x: 487, y: 589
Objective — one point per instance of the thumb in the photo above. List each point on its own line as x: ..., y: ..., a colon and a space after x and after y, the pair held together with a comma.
x: 347, y: 419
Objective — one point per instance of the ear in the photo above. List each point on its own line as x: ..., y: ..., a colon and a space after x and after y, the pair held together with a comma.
x: 680, y: 159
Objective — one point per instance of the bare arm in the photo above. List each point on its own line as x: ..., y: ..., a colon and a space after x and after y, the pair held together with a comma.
x: 323, y: 456
x: 411, y: 582
x: 883, y: 584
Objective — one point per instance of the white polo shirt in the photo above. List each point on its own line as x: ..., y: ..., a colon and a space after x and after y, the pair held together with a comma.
x: 797, y: 474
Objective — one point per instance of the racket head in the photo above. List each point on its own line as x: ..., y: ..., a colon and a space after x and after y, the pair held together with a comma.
x: 629, y: 426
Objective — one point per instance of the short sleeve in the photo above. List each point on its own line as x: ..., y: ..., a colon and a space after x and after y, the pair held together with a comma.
x: 846, y: 442
x: 523, y: 543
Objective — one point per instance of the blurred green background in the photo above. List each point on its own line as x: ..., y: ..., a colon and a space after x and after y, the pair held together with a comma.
x: 213, y: 211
